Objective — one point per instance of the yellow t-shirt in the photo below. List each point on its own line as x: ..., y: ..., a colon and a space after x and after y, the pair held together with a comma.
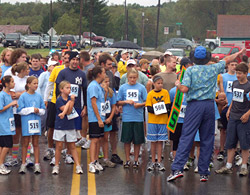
x: 163, y: 68
x: 52, y: 78
x: 153, y: 98
x: 122, y: 68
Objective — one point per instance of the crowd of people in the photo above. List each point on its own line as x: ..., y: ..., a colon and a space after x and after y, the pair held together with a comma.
x: 77, y: 99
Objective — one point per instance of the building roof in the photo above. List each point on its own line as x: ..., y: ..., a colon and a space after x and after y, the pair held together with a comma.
x: 6, y: 29
x: 233, y: 26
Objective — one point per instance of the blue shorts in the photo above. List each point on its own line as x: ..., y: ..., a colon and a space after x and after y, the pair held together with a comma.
x: 78, y: 120
x: 157, y: 132
x: 197, y: 137
x: 107, y: 128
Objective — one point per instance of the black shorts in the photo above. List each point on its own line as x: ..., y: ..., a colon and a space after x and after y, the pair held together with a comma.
x: 223, y: 118
x: 17, y: 118
x: 95, y: 131
x: 6, y: 141
x: 177, y: 134
x: 51, y: 116
x: 114, y: 123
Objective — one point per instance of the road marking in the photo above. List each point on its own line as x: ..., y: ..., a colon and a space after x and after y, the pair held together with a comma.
x: 75, y: 187
x: 91, y: 178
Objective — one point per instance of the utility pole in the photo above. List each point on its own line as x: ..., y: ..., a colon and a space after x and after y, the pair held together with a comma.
x: 91, y: 21
x: 125, y: 20
x: 157, y: 25
x: 127, y: 24
x: 80, y: 20
x: 50, y: 22
x: 142, y: 31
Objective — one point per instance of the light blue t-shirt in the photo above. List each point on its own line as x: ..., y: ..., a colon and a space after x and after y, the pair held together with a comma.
x: 228, y: 80
x: 42, y: 83
x: 4, y: 68
x: 111, y: 101
x: 7, y: 122
x: 30, y: 122
x: 201, y: 81
x: 138, y: 94
x: 95, y: 90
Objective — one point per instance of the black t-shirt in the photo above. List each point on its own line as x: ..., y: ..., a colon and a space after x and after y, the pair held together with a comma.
x: 240, y: 103
x: 111, y: 79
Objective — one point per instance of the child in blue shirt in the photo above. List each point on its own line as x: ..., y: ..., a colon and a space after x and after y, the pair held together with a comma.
x: 31, y: 107
x: 132, y: 97
x: 7, y: 125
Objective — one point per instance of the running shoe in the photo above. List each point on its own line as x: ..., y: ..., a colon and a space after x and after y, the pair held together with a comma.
x: 69, y: 159
x: 64, y: 153
x: 101, y: 155
x: 92, y: 168
x: 116, y: 159
x: 203, y: 178
x: 31, y: 149
x: 11, y: 162
x: 79, y: 169
x: 237, y: 155
x: 127, y: 164
x: 37, y: 168
x: 136, y: 165
x: 243, y: 172
x: 23, y: 169
x: 55, y: 170
x: 151, y: 166
x: 186, y: 167
x: 86, y: 145
x: 29, y: 162
x: 238, y: 162
x: 221, y: 156
x: 190, y: 162
x: 171, y: 157
x: 108, y: 163
x: 175, y: 175
x: 224, y: 170
x: 196, y: 170
x: 49, y: 154
x: 211, y: 164
x: 53, y: 161
x: 168, y: 143
x: 80, y: 142
x: 4, y: 170
x: 98, y: 166
x: 160, y: 166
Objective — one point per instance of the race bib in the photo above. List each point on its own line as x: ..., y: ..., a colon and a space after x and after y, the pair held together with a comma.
x: 12, y: 124
x: 238, y: 95
x: 229, y: 86
x: 33, y: 126
x: 50, y: 95
x: 133, y: 94
x: 159, y: 108
x: 74, y: 90
x: 182, y: 111
x: 105, y: 108
x: 73, y: 114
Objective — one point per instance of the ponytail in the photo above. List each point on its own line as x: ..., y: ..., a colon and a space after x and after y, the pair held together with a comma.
x: 6, y: 79
x: 29, y: 80
x: 19, y: 67
x: 92, y: 73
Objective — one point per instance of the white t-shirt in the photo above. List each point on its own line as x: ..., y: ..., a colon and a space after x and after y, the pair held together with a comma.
x: 19, y: 83
x: 8, y: 72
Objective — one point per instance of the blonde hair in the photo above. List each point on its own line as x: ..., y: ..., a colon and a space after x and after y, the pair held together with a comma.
x: 63, y: 84
x: 110, y: 91
x: 133, y: 71
x: 2, y: 56
x: 19, y: 67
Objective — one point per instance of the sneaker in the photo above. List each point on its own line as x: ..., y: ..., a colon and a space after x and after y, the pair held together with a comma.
x: 64, y: 153
x: 31, y: 149
x: 160, y: 166
x: 69, y: 159
x: 116, y: 159
x: 175, y: 175
x: 224, y: 170
x: 171, y: 157
x: 86, y: 145
x: 80, y: 142
x: 168, y: 143
x: 79, y: 170
x: 243, y: 172
x: 108, y: 163
x: 55, y: 170
x: 4, y: 170
x: 37, y: 168
x: 136, y: 165
x: 23, y: 169
x: 238, y: 162
x: 186, y: 167
x: 211, y: 164
x: 98, y: 166
x: 53, y: 161
x: 203, y: 178
x: 220, y: 156
x: 190, y: 162
x: 196, y: 170
x: 101, y: 155
x: 92, y: 168
x: 237, y: 156
x: 151, y: 166
x: 29, y: 162
x: 49, y: 154
x: 127, y: 164
x: 11, y: 162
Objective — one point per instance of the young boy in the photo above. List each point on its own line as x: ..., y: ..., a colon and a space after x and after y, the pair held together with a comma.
x: 238, y: 121
x: 35, y: 69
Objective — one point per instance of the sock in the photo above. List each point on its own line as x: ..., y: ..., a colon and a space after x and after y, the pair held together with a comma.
x: 28, y: 151
x: 15, y: 150
x: 244, y: 166
x: 229, y: 165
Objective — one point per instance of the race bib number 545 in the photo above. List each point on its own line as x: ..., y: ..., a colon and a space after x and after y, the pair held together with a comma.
x: 133, y: 94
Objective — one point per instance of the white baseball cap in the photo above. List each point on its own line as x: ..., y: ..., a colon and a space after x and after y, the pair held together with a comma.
x: 52, y: 63
x: 131, y: 61
x: 168, y: 53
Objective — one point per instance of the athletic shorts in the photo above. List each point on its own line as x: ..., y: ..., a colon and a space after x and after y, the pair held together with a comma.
x: 107, y: 128
x: 238, y: 131
x: 95, y: 131
x: 65, y: 135
x: 114, y: 123
x: 78, y: 120
x: 18, y: 122
x: 6, y: 141
x: 157, y: 132
x: 133, y: 132
x: 197, y: 137
x: 51, y: 116
x: 177, y: 134
x: 223, y: 118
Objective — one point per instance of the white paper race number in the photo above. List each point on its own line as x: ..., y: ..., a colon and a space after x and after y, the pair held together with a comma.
x: 105, y: 108
x: 74, y: 90
x: 33, y: 126
x: 73, y: 114
x: 182, y: 111
x: 229, y: 86
x: 238, y: 95
x: 12, y: 124
x: 159, y: 108
x: 133, y: 94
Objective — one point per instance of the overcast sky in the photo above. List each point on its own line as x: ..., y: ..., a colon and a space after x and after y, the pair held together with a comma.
x: 141, y: 2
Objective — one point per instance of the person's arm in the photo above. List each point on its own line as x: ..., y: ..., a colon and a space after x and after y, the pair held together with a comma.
x: 228, y: 111
x: 14, y: 103
x: 221, y: 85
x: 138, y: 105
x: 182, y: 88
x: 232, y: 57
x: 149, y: 86
x: 67, y: 109
x: 95, y: 108
x: 48, y: 89
x: 122, y: 103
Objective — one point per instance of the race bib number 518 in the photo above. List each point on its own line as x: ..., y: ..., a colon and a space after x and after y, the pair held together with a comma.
x: 33, y: 126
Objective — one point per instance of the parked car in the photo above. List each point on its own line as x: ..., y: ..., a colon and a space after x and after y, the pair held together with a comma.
x: 65, y: 38
x: 110, y: 41
x: 54, y: 41
x: 12, y: 39
x: 177, y: 52
x: 223, y: 51
x: 93, y: 43
x: 212, y: 43
x: 33, y: 41
x: 80, y: 41
x: 2, y: 37
x: 180, y: 43
x: 94, y: 37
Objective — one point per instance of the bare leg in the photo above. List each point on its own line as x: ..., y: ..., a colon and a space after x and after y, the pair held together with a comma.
x: 113, y: 141
x: 105, y: 146
x: 59, y: 146
x: 222, y: 139
x: 35, y: 142
x: 127, y: 151
x: 245, y: 155
x: 50, y: 137
x: 159, y: 150
x: 25, y: 143
x: 92, y: 149
x: 137, y: 150
x: 3, y: 154
x: 153, y: 148
x: 230, y: 155
x: 73, y: 151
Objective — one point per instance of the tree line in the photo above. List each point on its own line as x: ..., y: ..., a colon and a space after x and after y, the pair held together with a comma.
x: 195, y: 16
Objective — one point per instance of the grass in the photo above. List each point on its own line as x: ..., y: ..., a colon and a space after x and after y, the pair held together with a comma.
x: 43, y: 52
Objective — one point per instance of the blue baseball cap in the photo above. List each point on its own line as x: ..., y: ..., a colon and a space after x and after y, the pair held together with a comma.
x: 200, y: 52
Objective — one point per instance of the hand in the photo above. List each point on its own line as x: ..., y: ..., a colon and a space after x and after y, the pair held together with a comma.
x: 36, y: 110
x: 131, y: 102
x: 100, y: 124
x: 14, y: 103
x: 137, y: 105
x: 61, y: 115
x: 177, y: 82
x: 84, y: 111
x: 73, y: 97
x: 116, y: 110
x: 108, y: 121
x: 244, y: 118
x: 46, y: 103
x: 227, y: 115
x: 242, y: 52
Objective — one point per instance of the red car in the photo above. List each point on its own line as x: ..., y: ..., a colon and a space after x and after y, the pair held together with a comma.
x: 225, y: 50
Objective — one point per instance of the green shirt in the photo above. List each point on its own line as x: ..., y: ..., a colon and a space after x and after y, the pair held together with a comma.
x: 143, y: 79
